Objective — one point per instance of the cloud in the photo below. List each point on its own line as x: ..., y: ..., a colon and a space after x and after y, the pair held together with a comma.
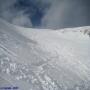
x: 22, y: 20
x: 65, y: 13
x: 5, y: 4
x: 13, y: 15
x: 54, y: 15
x: 46, y: 13
x: 25, y: 13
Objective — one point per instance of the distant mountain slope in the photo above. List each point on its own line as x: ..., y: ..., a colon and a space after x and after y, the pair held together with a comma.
x: 39, y: 59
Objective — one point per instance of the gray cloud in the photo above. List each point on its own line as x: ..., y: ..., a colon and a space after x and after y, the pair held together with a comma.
x: 54, y: 15
x: 22, y: 20
x: 61, y: 13
x: 5, y: 4
x: 65, y: 13
x: 13, y: 15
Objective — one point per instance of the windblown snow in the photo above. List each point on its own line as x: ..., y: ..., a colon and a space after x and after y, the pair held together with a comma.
x: 39, y: 59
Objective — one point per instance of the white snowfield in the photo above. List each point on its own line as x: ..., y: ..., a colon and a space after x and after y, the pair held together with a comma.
x: 39, y: 59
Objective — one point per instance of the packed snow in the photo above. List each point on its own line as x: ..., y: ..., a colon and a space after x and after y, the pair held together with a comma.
x: 44, y: 59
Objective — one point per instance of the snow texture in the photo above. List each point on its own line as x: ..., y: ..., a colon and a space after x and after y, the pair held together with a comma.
x: 39, y: 59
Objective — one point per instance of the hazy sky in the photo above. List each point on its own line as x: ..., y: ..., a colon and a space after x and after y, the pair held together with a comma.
x: 46, y: 13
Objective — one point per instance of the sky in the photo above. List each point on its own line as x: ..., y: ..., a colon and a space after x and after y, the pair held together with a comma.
x: 52, y: 14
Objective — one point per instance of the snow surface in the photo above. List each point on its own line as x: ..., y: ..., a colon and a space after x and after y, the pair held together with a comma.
x: 39, y: 59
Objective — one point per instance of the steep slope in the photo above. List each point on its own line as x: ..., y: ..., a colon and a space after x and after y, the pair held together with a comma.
x: 38, y: 59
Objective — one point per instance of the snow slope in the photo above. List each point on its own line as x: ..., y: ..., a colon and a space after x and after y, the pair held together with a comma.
x: 39, y: 59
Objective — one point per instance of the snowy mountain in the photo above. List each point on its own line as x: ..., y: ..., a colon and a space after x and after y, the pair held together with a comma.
x: 39, y: 59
